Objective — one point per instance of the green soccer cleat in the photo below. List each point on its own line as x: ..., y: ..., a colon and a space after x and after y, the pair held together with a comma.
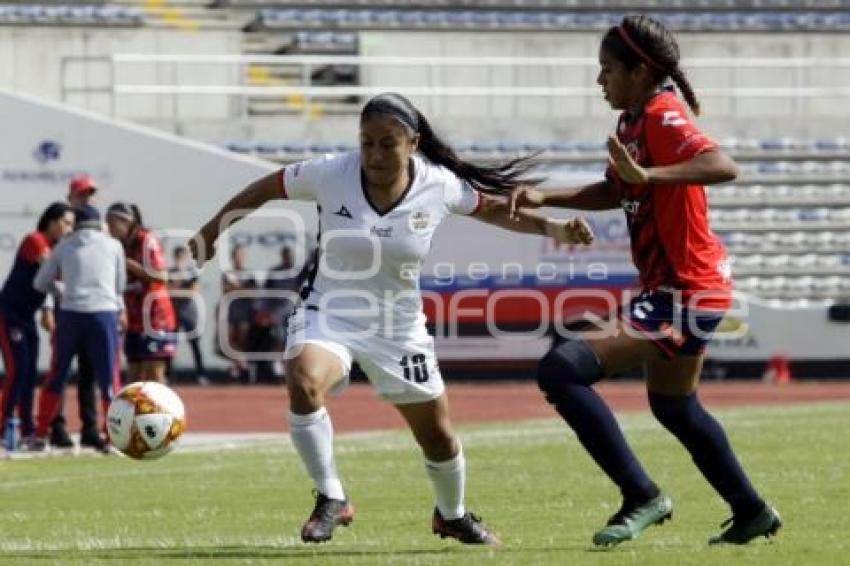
x: 630, y: 521
x: 766, y: 524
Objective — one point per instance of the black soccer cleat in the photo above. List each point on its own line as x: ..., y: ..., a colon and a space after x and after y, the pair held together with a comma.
x: 742, y: 530
x: 59, y: 438
x: 94, y: 441
x: 468, y: 529
x: 326, y: 515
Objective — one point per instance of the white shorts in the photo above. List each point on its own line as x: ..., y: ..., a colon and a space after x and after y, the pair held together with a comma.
x: 403, y: 370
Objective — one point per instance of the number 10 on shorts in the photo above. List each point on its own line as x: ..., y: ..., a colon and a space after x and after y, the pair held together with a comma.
x: 415, y: 368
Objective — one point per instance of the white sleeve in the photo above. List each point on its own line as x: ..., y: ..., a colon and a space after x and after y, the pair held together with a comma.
x: 304, y: 180
x: 460, y: 197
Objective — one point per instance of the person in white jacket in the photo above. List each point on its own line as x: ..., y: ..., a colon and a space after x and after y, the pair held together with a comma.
x: 92, y: 268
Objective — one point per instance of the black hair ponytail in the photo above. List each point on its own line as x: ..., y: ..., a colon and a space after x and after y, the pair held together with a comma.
x: 677, y: 75
x: 498, y: 178
x: 54, y: 212
x: 137, y: 216
x: 641, y: 39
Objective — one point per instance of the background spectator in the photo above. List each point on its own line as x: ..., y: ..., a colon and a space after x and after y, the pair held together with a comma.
x: 240, y: 311
x: 149, y: 343
x: 183, y: 276
x: 18, y: 302
x: 94, y: 275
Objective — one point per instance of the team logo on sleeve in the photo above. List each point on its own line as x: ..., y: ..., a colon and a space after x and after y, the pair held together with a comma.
x: 420, y: 220
x: 673, y: 118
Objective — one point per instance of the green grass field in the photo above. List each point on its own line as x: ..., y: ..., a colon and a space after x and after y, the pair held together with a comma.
x: 531, y: 482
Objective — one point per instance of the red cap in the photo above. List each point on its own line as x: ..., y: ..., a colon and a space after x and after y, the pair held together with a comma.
x: 81, y: 184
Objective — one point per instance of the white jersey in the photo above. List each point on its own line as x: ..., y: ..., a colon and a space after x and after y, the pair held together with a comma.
x: 369, y: 262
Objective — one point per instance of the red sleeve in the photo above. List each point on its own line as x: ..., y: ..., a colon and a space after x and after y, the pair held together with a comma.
x: 282, y: 183
x: 34, y: 247
x: 672, y: 136
x: 154, y: 258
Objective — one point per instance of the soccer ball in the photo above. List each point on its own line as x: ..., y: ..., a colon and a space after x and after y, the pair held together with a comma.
x: 145, y: 419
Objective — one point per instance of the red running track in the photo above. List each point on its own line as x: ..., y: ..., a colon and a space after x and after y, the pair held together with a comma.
x: 263, y: 408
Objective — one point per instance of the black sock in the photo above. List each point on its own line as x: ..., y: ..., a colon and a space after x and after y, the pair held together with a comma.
x: 704, y: 438
x: 598, y: 431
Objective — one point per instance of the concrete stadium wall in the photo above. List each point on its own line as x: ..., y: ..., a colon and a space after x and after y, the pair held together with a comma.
x: 31, y: 62
x: 725, y: 115
x: 544, y: 120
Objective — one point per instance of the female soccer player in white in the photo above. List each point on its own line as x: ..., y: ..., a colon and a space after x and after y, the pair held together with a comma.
x: 378, y: 209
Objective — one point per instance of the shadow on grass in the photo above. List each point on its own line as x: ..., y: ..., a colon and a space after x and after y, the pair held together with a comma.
x: 258, y: 552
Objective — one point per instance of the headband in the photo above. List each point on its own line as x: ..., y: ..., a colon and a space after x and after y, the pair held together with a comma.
x: 396, y: 106
x: 634, y: 47
x: 121, y: 210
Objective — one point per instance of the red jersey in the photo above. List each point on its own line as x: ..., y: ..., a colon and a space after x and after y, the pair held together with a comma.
x: 18, y: 295
x: 146, y: 249
x: 673, y: 247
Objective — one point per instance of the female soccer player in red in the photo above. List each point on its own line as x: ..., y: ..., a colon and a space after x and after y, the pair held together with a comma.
x: 659, y: 163
x: 19, y: 301
x: 150, y: 342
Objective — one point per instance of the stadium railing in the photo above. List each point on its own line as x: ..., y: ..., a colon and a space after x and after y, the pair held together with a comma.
x: 295, y: 78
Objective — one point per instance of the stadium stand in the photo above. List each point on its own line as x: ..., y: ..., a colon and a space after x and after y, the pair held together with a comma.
x: 587, y: 5
x: 80, y: 14
x: 786, y: 223
x: 527, y: 20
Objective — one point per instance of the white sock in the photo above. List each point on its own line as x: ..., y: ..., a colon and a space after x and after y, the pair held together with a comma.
x: 449, y: 479
x: 312, y: 436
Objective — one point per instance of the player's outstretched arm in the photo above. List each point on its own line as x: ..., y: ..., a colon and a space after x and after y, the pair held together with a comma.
x: 494, y: 210
x: 707, y: 168
x: 252, y: 197
x: 598, y: 196
x: 148, y: 275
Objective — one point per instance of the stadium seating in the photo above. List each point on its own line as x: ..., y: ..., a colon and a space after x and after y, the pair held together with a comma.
x: 828, y: 156
x: 786, y: 222
x: 549, y: 4
x: 70, y: 14
x: 528, y: 20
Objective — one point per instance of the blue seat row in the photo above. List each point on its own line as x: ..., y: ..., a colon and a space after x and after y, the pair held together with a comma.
x: 69, y: 14
x: 565, y: 147
x: 586, y: 5
x: 534, y: 20
x: 327, y: 38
